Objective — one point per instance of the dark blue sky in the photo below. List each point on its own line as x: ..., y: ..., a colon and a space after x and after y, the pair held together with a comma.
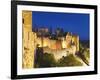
x: 77, y: 23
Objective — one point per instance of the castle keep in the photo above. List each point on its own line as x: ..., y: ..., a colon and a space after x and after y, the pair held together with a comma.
x: 30, y: 38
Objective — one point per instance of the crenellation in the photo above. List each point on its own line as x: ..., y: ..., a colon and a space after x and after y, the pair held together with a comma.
x: 66, y: 44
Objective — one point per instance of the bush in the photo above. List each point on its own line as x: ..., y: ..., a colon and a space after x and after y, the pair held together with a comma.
x: 69, y: 61
x: 46, y: 60
x: 84, y: 54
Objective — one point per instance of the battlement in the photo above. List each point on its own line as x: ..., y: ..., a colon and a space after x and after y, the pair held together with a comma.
x: 31, y: 39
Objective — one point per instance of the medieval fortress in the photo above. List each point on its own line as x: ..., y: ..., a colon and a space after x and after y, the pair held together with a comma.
x: 62, y: 46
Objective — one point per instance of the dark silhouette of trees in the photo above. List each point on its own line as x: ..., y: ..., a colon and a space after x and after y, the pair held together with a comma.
x: 69, y: 61
x: 48, y: 60
x: 84, y: 54
x: 44, y: 59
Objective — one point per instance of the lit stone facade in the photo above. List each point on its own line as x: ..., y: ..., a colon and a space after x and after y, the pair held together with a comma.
x: 67, y: 44
x: 75, y: 39
x: 29, y: 39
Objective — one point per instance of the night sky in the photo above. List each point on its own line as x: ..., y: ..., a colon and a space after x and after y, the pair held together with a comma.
x: 77, y: 23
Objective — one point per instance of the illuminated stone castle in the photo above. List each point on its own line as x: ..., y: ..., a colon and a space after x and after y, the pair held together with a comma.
x: 31, y: 39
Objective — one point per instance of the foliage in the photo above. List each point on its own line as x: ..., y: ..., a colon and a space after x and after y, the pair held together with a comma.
x: 69, y: 61
x: 45, y: 60
x: 48, y: 60
x: 84, y: 54
x: 85, y: 43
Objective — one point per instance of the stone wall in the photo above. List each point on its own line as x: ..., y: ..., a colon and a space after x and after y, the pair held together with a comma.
x: 59, y: 44
x: 60, y: 52
x: 75, y: 40
x: 59, y: 48
x: 29, y: 39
